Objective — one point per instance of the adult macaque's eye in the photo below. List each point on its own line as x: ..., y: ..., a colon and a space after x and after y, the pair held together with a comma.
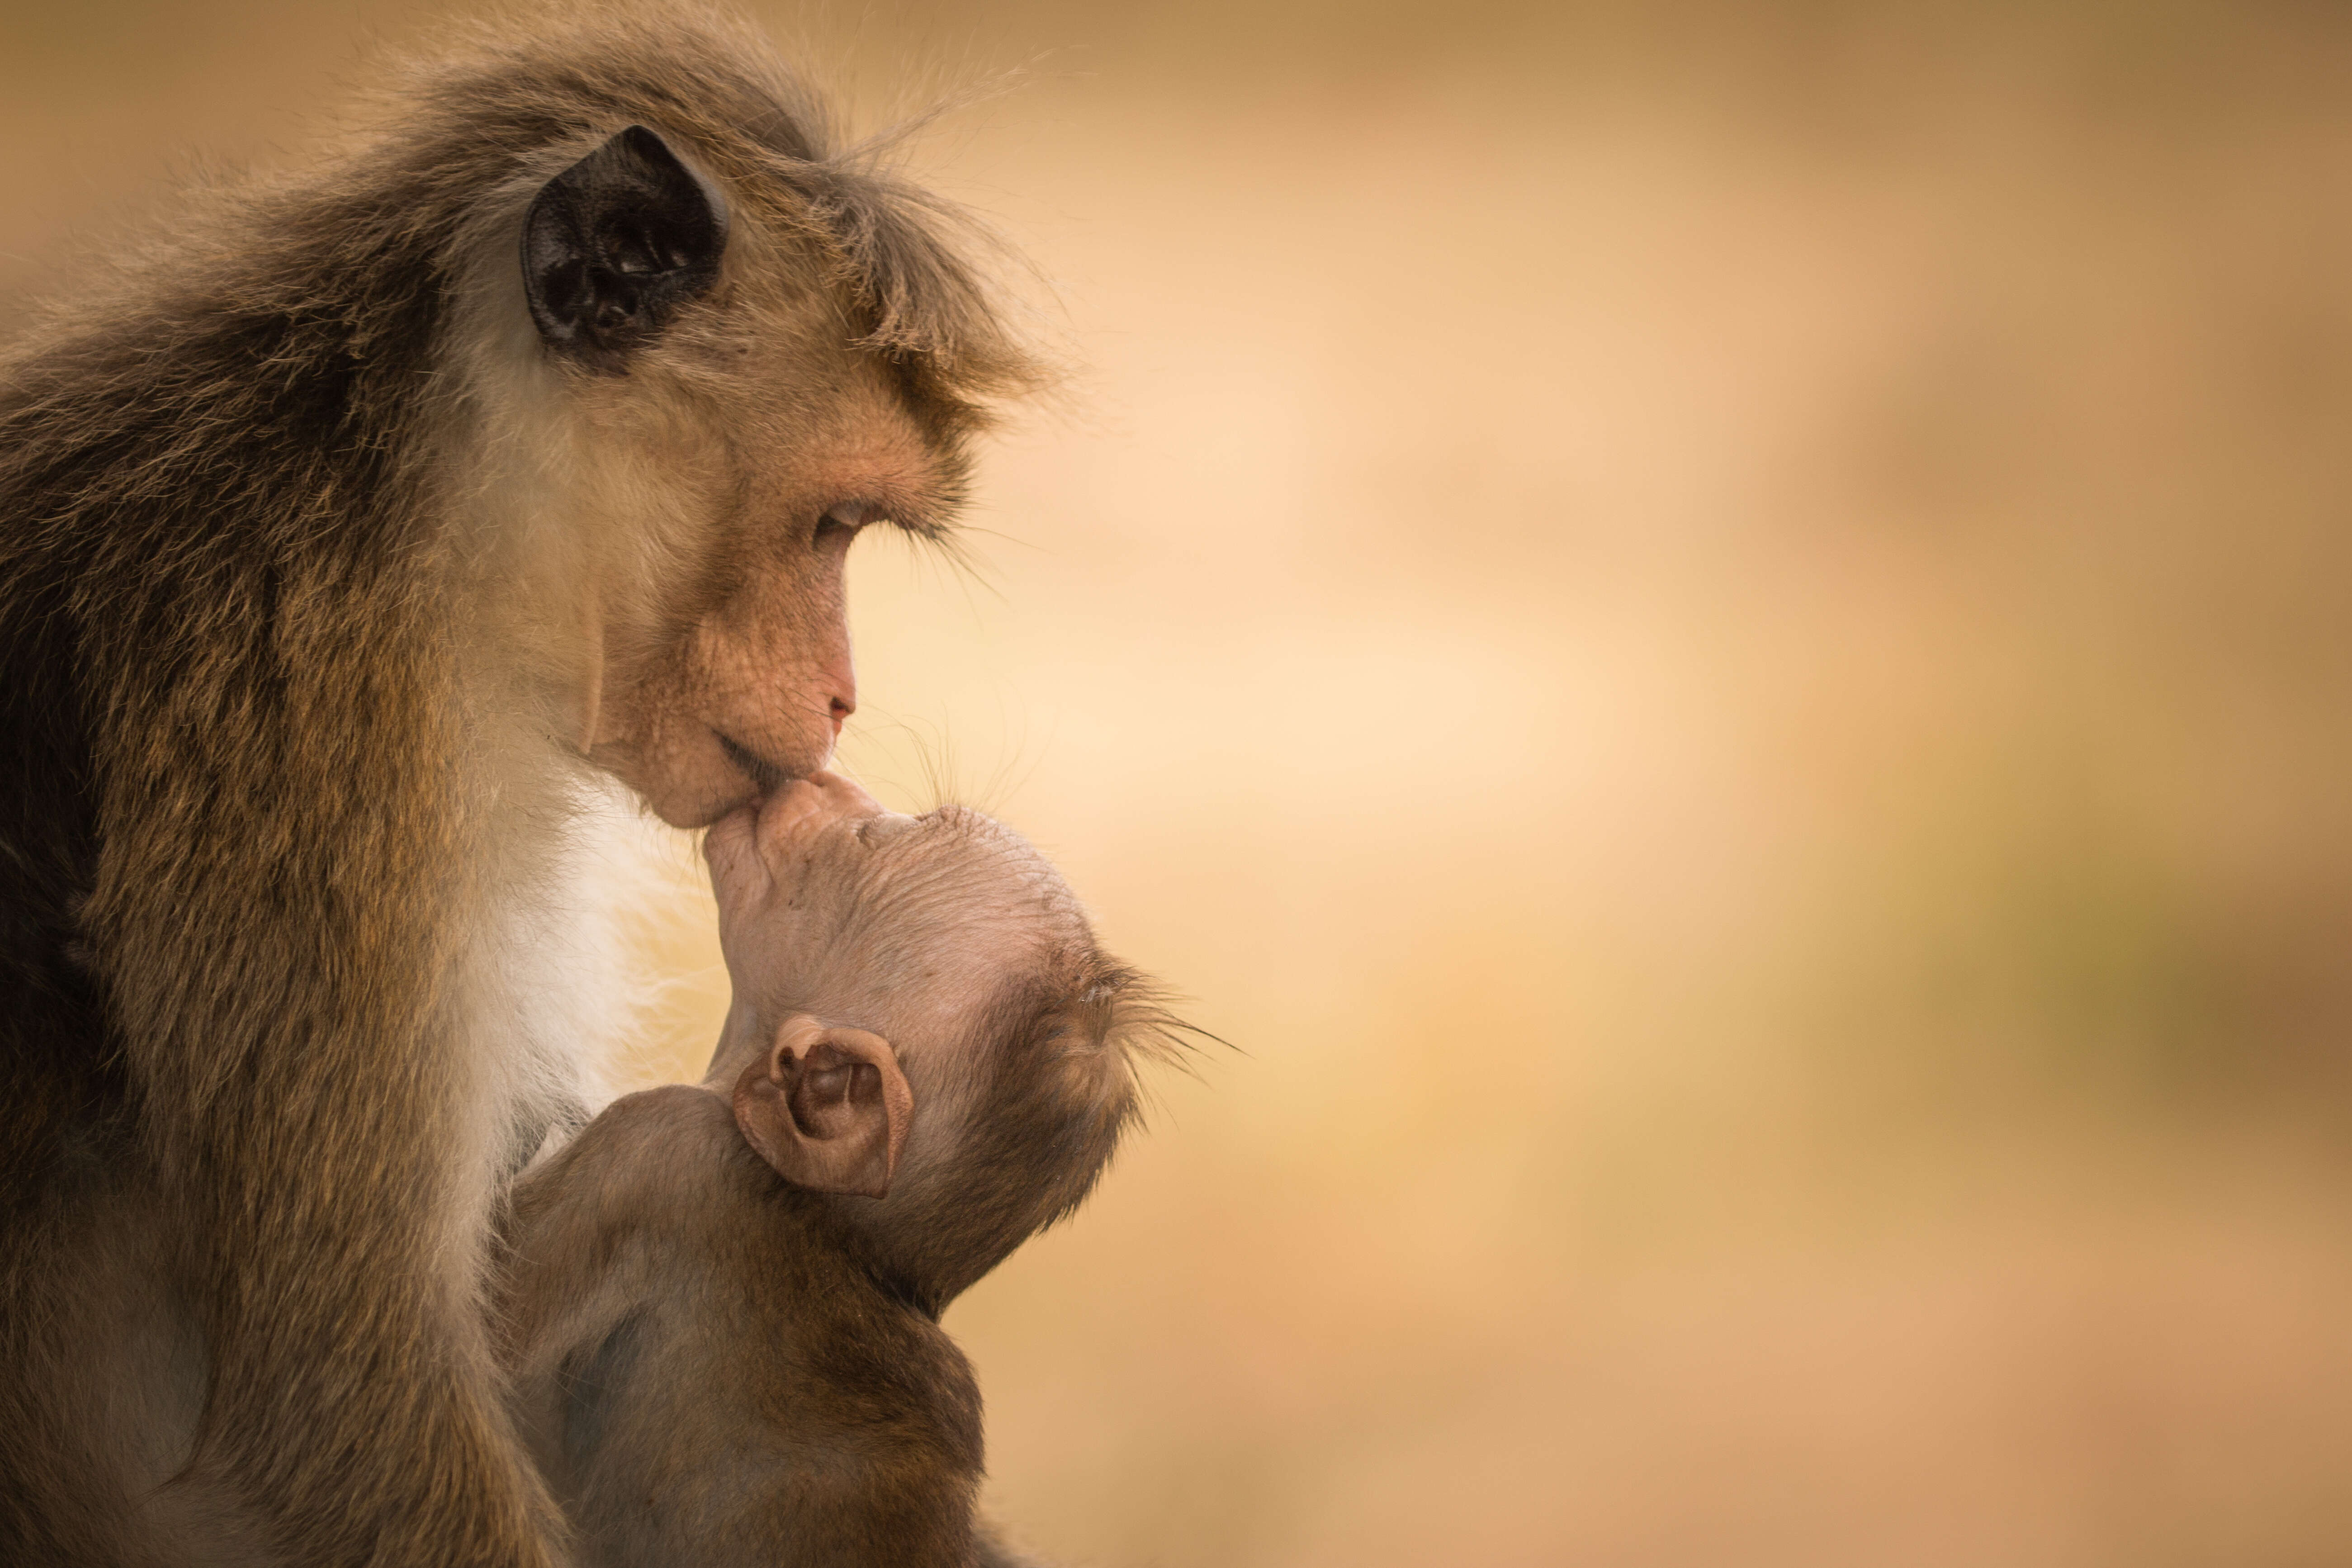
x: 840, y: 525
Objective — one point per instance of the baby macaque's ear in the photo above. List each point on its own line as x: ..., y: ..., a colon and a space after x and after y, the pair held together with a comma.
x: 827, y: 1106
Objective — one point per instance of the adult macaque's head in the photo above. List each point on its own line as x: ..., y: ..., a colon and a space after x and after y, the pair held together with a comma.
x: 922, y: 1017
x: 708, y: 361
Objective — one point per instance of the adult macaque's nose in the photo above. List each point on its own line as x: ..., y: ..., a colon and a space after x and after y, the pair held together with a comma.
x: 841, y: 690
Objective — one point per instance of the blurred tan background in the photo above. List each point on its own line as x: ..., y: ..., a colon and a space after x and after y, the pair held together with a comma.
x: 1717, y: 637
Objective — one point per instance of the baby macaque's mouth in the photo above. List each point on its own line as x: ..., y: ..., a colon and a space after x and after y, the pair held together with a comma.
x: 765, y: 775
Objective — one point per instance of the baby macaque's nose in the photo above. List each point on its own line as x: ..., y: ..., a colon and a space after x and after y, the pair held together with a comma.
x: 809, y: 802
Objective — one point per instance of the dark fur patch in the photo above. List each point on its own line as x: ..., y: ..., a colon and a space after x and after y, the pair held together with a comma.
x: 587, y: 1383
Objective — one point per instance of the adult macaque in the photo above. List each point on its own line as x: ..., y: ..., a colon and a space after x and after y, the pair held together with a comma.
x: 722, y: 1305
x: 349, y: 538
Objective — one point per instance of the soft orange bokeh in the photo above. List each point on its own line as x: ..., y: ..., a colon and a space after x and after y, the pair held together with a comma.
x: 1715, y: 636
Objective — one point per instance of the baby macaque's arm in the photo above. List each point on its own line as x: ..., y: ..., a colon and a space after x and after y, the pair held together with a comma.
x: 594, y: 1235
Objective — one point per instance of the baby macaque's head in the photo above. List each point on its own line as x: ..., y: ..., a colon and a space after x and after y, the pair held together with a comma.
x: 922, y: 1025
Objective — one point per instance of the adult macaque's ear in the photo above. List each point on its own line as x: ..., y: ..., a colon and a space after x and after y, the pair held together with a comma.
x: 827, y: 1106
x: 614, y: 244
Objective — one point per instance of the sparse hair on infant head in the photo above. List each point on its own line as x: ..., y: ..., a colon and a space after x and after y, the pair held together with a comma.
x: 720, y: 1309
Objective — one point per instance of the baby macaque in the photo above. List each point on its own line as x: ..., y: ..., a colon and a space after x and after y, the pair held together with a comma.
x: 721, y: 1312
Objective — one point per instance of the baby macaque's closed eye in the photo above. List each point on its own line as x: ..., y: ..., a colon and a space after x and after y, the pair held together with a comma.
x: 827, y: 1106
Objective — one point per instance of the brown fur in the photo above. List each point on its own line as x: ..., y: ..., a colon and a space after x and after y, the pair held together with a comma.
x: 717, y: 1368
x: 314, y: 581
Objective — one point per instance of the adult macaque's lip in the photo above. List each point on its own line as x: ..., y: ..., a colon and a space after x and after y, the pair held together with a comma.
x: 765, y: 776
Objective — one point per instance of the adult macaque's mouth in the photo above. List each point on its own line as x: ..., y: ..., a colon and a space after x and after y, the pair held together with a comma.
x: 765, y: 775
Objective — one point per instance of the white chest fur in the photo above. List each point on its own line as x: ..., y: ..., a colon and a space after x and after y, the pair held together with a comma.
x: 559, y: 986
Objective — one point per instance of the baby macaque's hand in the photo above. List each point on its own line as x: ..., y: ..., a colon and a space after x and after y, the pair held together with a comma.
x: 823, y: 1102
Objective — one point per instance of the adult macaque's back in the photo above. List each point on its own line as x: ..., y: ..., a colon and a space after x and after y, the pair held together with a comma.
x: 347, y: 539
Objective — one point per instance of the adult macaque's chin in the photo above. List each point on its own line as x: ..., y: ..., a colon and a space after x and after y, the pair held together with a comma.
x: 686, y: 788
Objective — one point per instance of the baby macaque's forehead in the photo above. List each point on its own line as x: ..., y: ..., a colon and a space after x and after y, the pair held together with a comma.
x: 940, y: 918
x: 955, y: 876
x: 960, y: 861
